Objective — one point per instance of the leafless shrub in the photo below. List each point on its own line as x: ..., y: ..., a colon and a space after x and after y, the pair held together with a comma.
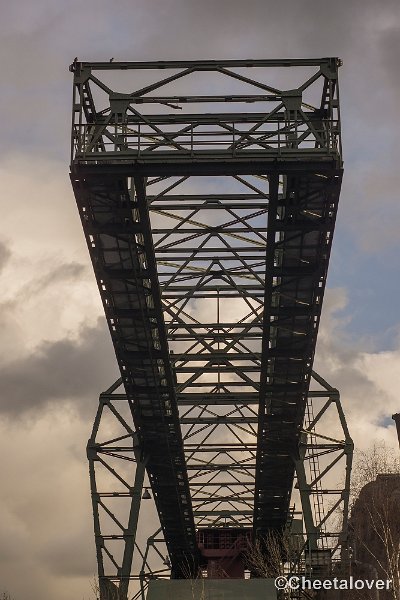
x: 368, y: 464
x: 376, y: 530
x: 108, y: 591
x: 267, y: 556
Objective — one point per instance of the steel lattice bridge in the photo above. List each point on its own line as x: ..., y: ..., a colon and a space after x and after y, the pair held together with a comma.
x: 208, y: 193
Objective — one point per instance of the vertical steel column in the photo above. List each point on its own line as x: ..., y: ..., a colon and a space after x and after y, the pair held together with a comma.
x: 116, y: 585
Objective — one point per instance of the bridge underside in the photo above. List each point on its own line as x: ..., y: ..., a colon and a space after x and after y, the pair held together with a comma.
x: 210, y: 236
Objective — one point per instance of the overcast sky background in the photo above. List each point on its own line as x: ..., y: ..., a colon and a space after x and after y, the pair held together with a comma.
x: 56, y: 353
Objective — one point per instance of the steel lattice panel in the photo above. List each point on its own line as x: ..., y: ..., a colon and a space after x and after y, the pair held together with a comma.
x: 212, y: 291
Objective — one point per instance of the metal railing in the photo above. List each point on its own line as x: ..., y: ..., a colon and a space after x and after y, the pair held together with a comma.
x: 227, y: 138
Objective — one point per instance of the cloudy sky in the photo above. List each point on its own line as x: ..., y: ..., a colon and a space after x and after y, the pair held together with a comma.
x: 57, y: 355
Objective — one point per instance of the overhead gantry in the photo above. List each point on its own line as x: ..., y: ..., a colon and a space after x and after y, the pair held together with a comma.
x: 210, y: 234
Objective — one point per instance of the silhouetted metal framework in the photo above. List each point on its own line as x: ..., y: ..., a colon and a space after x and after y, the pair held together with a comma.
x: 212, y: 288
x: 323, y: 460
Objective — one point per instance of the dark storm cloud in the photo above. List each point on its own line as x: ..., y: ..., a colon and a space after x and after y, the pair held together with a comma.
x: 4, y: 255
x: 389, y: 48
x: 38, y: 45
x: 67, y: 272
x: 62, y: 559
x: 65, y: 371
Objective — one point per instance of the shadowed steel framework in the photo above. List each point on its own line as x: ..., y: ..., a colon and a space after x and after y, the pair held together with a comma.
x: 210, y: 233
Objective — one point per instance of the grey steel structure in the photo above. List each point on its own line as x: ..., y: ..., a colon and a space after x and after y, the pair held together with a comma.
x: 210, y: 234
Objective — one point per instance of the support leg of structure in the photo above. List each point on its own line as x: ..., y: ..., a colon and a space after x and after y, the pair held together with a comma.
x: 319, y: 455
x: 114, y: 585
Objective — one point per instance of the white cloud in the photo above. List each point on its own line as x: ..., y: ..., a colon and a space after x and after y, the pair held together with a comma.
x: 366, y: 379
x: 48, y: 288
x: 46, y: 527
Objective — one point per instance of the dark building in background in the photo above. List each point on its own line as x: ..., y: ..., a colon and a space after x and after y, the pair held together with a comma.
x: 375, y: 534
x: 396, y: 419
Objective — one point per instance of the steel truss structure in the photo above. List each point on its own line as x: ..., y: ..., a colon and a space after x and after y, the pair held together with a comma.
x: 210, y: 235
x: 117, y: 500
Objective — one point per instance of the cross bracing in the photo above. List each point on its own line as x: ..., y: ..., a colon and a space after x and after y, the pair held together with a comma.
x: 210, y: 234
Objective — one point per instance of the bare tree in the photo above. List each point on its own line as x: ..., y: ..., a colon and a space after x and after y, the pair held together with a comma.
x: 108, y: 591
x: 368, y: 464
x: 194, y: 579
x: 375, y: 525
x: 268, y: 556
x: 375, y: 518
